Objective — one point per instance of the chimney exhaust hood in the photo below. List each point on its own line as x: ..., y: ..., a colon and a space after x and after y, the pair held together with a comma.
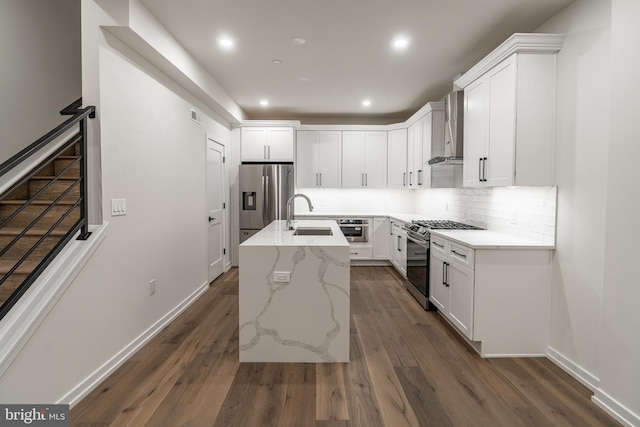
x: 452, y: 152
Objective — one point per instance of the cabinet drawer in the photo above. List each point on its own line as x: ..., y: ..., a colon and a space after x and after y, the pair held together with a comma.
x: 462, y: 254
x: 440, y: 245
x: 361, y: 252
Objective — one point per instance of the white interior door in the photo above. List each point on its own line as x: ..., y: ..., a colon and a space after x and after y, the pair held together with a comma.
x: 215, y: 208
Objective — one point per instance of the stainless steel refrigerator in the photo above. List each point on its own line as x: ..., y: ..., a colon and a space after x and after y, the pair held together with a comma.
x: 264, y: 192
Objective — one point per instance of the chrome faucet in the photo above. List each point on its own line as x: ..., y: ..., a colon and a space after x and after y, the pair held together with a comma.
x: 290, y: 208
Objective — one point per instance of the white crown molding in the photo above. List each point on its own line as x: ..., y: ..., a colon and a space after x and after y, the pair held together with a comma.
x: 426, y: 109
x: 517, y: 43
x: 270, y: 123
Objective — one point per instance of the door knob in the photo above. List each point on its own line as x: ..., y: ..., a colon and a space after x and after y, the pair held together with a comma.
x: 211, y: 219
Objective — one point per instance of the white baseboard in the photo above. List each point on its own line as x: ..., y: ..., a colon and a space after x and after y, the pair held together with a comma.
x: 615, y: 409
x: 583, y: 376
x: 600, y: 398
x: 92, y: 381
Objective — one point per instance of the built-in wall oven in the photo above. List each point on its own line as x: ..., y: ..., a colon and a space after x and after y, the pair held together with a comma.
x: 354, y: 229
x: 418, y: 242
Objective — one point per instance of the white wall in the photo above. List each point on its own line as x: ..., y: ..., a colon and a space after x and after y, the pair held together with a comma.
x: 582, y: 139
x: 619, y: 351
x: 153, y: 155
x: 40, y: 72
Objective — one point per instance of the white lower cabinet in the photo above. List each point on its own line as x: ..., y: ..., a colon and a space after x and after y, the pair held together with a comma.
x: 380, y: 238
x: 398, y: 246
x: 496, y: 298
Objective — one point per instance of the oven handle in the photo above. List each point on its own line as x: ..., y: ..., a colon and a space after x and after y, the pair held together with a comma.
x: 422, y: 243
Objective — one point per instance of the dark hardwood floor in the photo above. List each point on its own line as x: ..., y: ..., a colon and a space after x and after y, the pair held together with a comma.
x: 408, y: 368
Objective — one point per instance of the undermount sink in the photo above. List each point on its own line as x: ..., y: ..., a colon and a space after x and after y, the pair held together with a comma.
x: 313, y: 231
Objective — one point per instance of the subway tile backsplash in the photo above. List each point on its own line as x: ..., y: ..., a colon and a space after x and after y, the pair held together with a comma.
x: 528, y: 212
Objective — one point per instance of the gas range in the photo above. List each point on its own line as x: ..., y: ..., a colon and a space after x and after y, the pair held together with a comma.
x: 419, y: 229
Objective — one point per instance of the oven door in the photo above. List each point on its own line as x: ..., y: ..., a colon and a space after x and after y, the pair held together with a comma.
x: 418, y: 268
x: 355, y: 232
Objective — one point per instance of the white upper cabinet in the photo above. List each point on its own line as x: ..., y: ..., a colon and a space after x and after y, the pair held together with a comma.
x: 509, y: 120
x: 397, y: 159
x: 414, y: 151
x: 318, y: 159
x: 270, y: 144
x: 365, y: 155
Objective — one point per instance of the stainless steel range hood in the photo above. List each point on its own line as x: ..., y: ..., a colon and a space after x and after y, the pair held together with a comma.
x: 452, y: 151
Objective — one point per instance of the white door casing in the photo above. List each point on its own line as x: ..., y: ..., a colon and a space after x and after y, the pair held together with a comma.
x: 215, y: 208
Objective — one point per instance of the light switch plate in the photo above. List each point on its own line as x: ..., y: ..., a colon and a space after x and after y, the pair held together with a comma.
x: 118, y: 207
x: 281, y: 276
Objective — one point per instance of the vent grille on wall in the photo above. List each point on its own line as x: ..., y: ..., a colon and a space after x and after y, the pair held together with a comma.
x: 195, y: 116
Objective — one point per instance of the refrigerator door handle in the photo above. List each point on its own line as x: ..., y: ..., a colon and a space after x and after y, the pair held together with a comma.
x: 264, y: 201
x: 267, y: 202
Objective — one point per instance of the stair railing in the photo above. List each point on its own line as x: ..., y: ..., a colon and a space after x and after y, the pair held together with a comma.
x: 79, y: 117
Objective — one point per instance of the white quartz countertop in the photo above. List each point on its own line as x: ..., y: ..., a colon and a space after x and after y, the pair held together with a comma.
x: 487, y: 239
x: 404, y: 217
x: 276, y: 234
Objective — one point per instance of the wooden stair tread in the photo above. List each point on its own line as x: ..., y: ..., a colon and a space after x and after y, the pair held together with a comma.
x: 67, y: 157
x: 49, y: 177
x: 35, y: 202
x: 13, y: 231
x: 25, y: 268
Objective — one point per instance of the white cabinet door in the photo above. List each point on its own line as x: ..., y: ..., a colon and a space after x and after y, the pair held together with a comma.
x: 306, y: 173
x: 502, y: 120
x: 475, y: 133
x: 280, y: 145
x: 397, y: 158
x: 328, y: 158
x: 460, y: 281
x: 375, y: 159
x: 353, y: 151
x: 414, y: 153
x: 381, y: 233
x: 438, y: 289
x: 253, y: 144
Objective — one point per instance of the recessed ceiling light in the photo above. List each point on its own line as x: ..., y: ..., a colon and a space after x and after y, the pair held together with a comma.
x: 400, y: 43
x: 366, y: 103
x: 276, y: 61
x: 299, y: 41
x: 304, y: 79
x: 264, y: 102
x: 225, y: 43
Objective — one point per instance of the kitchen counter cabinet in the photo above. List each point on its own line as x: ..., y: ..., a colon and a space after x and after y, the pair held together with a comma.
x: 398, y: 246
x: 318, y: 159
x: 498, y: 299
x: 380, y: 237
x: 294, y: 295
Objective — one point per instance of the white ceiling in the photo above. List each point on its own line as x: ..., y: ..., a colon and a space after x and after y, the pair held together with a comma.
x: 348, y: 55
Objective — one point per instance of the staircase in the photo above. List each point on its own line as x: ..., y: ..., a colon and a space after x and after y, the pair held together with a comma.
x: 37, y: 214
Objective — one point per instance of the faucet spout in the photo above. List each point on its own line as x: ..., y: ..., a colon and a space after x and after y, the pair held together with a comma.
x: 290, y: 208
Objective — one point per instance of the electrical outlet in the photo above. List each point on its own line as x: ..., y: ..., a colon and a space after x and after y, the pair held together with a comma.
x: 281, y: 276
x: 514, y: 217
x: 152, y: 287
x: 118, y: 207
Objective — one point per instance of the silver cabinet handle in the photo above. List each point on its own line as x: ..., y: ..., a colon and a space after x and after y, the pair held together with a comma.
x: 264, y: 152
x: 420, y: 177
x: 320, y: 179
x: 404, y: 179
x: 436, y: 244
x: 399, y: 244
x: 484, y: 170
x: 410, y: 179
x: 362, y: 179
x: 317, y: 180
x: 366, y: 179
x: 480, y: 169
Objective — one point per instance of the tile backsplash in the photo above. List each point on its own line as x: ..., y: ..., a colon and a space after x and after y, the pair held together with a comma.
x: 528, y: 212
x: 356, y: 201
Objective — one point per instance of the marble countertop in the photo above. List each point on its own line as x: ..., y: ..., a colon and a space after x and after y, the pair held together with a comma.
x: 405, y: 217
x: 276, y: 234
x: 487, y: 239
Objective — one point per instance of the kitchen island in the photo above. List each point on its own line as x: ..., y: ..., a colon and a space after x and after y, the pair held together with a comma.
x: 294, y: 294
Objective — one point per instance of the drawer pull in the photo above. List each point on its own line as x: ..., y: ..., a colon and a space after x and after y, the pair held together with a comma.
x: 459, y: 254
x: 438, y: 245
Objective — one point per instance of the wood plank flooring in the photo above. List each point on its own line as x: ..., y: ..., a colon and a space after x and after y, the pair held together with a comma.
x: 408, y: 368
